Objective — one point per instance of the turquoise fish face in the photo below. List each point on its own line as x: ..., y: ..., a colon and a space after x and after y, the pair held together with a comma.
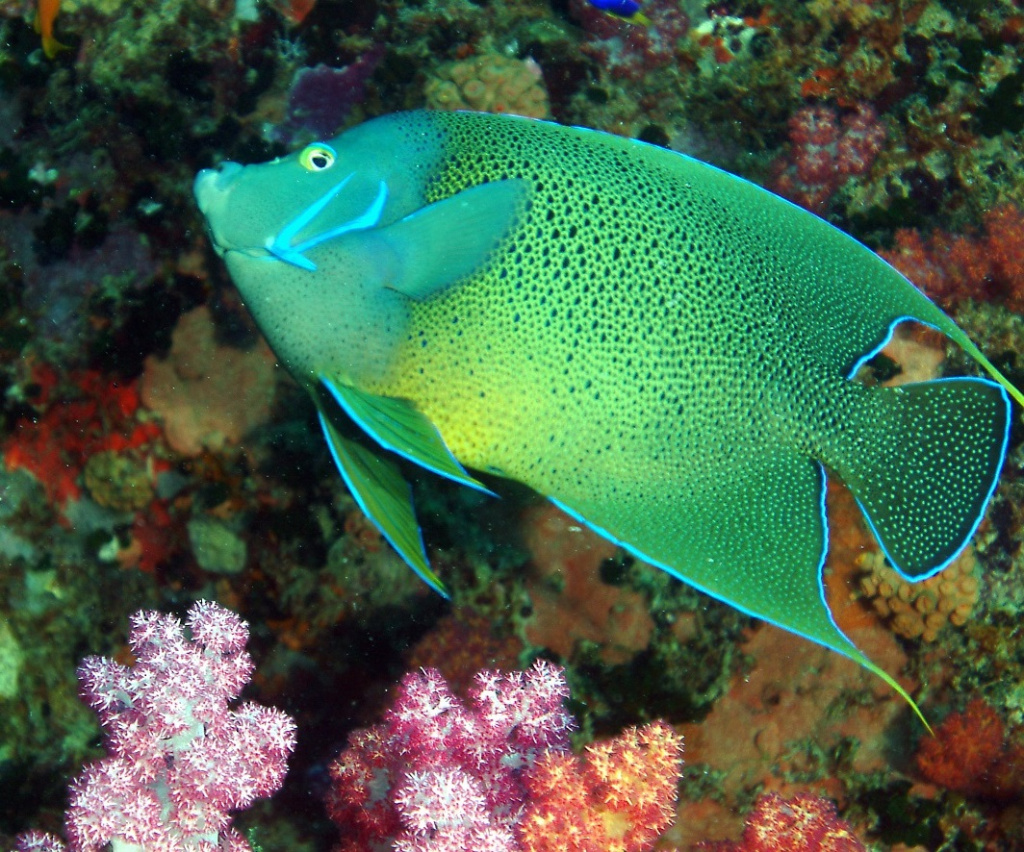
x: 328, y: 245
x: 300, y: 236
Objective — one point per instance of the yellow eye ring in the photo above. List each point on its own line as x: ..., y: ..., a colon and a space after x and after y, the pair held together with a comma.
x: 317, y: 157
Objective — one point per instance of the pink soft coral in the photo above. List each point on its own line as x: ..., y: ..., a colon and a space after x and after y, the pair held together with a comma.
x: 179, y: 758
x: 496, y: 774
x: 826, y: 151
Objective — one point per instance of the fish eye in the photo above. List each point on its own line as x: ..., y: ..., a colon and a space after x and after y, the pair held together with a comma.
x: 317, y: 157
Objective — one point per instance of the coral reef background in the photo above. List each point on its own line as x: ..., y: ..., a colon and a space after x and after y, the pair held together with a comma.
x: 154, y: 455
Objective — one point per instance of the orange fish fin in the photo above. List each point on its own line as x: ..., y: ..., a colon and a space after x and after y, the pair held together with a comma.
x: 51, y: 47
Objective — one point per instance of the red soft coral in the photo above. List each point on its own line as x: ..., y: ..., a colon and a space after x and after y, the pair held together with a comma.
x: 988, y: 266
x: 805, y: 823
x: 97, y: 414
x: 972, y: 754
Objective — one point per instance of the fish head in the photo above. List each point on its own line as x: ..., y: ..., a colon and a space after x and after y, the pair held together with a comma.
x: 284, y: 209
x: 300, y: 237
x: 330, y: 245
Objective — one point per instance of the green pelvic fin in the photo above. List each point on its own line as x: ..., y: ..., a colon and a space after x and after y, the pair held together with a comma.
x: 450, y: 239
x: 384, y: 496
x: 398, y: 426
x: 925, y: 466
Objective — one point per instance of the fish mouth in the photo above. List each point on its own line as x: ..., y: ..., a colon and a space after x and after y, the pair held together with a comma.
x: 211, y: 185
x: 211, y: 189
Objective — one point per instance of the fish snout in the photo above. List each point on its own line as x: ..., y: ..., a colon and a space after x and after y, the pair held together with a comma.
x: 210, y: 184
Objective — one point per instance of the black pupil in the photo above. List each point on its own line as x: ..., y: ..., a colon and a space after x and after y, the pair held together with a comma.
x: 319, y: 161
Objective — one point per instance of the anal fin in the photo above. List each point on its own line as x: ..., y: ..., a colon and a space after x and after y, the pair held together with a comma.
x: 760, y: 545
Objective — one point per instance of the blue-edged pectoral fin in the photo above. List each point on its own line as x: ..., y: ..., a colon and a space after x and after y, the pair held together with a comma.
x: 384, y: 496
x: 398, y: 426
x: 450, y: 239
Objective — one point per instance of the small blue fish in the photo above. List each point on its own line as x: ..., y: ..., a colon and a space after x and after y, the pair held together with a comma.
x: 628, y: 10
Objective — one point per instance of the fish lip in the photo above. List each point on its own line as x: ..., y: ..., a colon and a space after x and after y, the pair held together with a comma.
x: 249, y: 252
x: 211, y: 188
x: 210, y: 185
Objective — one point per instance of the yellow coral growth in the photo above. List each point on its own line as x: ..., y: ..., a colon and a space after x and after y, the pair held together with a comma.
x: 856, y: 13
x: 921, y: 610
x: 118, y: 481
x: 489, y: 83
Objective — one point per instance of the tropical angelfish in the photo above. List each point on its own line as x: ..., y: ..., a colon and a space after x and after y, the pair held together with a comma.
x: 664, y: 350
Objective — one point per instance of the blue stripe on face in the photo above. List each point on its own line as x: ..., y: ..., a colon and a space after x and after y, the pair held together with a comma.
x: 280, y: 247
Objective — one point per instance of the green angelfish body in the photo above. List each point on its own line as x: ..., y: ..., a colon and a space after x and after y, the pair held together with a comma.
x: 661, y: 348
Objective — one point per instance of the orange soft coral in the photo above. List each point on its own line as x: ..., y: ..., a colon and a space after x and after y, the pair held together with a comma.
x: 619, y: 797
x: 805, y: 823
x: 571, y: 603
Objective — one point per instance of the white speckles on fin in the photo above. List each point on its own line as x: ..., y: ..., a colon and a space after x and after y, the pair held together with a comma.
x: 925, y: 461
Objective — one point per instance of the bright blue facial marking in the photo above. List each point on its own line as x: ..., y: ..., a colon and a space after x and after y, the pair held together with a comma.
x: 280, y: 246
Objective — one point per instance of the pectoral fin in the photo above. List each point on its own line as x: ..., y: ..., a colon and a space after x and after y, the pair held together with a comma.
x: 397, y: 426
x: 384, y: 496
x: 450, y: 239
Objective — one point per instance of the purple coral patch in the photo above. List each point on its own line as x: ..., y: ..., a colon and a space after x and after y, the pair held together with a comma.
x: 321, y: 98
